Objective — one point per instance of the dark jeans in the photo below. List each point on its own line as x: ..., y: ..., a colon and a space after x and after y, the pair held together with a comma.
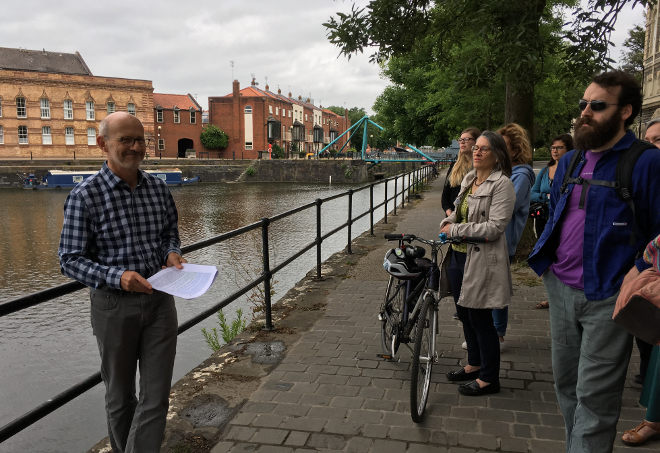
x: 480, y: 334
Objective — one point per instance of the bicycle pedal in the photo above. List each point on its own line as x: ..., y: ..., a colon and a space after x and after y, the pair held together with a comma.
x: 384, y: 356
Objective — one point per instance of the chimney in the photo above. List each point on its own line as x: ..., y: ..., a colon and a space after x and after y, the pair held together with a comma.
x: 266, y: 87
x: 299, y: 97
x: 254, y: 81
x: 279, y: 91
x: 236, y: 89
x: 289, y: 94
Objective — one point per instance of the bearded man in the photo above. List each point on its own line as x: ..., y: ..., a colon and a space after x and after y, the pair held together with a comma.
x: 586, y: 252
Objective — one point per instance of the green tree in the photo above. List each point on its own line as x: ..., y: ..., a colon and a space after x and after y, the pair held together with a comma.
x: 515, y: 33
x: 355, y: 114
x: 213, y: 137
x: 633, y: 57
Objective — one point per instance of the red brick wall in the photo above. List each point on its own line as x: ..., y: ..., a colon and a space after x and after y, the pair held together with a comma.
x: 172, y: 132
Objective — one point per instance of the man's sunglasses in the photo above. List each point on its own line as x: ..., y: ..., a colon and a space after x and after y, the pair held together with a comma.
x: 596, y: 106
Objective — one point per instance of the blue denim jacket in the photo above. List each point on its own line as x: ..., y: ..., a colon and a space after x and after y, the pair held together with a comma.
x: 607, y: 252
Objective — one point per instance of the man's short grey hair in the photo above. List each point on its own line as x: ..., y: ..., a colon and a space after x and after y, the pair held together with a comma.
x: 652, y: 122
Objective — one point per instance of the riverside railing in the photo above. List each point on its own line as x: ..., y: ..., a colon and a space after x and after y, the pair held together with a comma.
x: 415, y: 178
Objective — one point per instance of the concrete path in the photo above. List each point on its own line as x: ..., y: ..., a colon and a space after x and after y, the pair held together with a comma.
x: 331, y: 392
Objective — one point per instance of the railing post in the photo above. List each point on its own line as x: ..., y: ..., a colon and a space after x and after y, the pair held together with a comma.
x: 318, y: 238
x: 350, y: 221
x: 267, y: 275
x: 403, y: 191
x: 412, y: 172
x: 396, y: 191
x: 371, y: 208
x: 385, y: 217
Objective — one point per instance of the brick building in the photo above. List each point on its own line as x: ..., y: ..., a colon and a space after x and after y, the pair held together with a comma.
x: 178, y: 124
x: 651, y: 79
x: 51, y: 104
x: 254, y: 118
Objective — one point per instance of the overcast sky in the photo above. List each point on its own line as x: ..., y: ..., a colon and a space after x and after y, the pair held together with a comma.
x: 187, y: 46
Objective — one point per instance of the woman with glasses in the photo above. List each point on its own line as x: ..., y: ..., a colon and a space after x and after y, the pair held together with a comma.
x: 457, y: 171
x: 522, y: 177
x: 480, y: 272
x: 541, y: 189
x: 459, y: 168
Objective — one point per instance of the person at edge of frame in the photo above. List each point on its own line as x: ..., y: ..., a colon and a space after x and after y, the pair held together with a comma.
x: 585, y: 253
x: 120, y: 227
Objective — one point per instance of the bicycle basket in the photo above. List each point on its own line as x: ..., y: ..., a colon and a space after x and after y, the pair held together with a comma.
x: 397, y: 264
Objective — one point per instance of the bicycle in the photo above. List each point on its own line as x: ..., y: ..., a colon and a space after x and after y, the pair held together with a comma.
x: 414, y: 278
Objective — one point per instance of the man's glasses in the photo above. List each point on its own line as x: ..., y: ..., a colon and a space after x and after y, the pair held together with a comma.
x: 128, y: 141
x: 465, y: 140
x: 557, y: 148
x: 481, y: 149
x: 596, y: 106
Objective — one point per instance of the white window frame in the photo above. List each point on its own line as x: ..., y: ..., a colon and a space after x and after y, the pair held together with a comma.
x: 0, y: 107
x: 21, y: 107
x: 46, y: 136
x: 248, y: 146
x: 44, y: 104
x: 161, y: 144
x: 270, y: 109
x: 110, y: 107
x: 2, y: 135
x: 130, y: 108
x: 277, y: 111
x: 91, y: 136
x: 193, y: 117
x: 67, y: 106
x: 247, y: 109
x: 159, y: 115
x: 177, y: 116
x: 23, y: 139
x: 89, y: 111
x: 289, y: 113
x: 69, y: 136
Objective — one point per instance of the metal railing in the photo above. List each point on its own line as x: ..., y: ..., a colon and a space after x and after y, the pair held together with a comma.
x: 414, y: 179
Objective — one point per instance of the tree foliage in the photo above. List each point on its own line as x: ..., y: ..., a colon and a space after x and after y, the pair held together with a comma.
x: 456, y: 62
x: 355, y: 114
x: 633, y: 57
x: 212, y: 137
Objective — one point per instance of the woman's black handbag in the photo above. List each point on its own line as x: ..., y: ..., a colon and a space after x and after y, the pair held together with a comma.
x: 538, y: 210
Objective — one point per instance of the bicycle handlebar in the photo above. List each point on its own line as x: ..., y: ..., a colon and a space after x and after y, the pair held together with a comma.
x: 444, y: 239
x: 462, y: 239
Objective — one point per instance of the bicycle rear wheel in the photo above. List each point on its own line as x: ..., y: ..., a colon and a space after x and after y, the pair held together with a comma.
x: 422, y: 360
x: 391, y: 315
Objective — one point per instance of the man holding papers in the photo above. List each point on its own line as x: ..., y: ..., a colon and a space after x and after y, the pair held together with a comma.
x: 120, y: 228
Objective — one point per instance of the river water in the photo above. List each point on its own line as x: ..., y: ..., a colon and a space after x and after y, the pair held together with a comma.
x: 47, y: 348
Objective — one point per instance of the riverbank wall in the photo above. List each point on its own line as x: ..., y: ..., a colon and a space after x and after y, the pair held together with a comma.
x: 12, y: 172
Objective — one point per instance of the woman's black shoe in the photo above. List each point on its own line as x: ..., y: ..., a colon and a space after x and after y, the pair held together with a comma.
x: 462, y: 375
x: 473, y: 389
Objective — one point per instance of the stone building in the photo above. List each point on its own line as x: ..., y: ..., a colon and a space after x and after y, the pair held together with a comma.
x: 651, y: 74
x: 254, y: 118
x: 178, y: 125
x: 51, y: 104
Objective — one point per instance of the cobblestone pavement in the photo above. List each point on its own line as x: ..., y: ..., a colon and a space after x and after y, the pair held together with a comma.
x: 332, y: 393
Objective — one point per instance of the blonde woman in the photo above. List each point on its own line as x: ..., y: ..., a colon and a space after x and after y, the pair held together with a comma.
x: 459, y: 168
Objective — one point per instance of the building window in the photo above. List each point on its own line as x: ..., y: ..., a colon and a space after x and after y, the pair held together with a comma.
x: 21, y: 111
x: 161, y: 144
x: 277, y: 111
x: 248, y: 145
x: 177, y: 116
x: 45, y: 109
x: 91, y: 136
x: 0, y: 107
x: 2, y: 135
x: 283, y: 112
x: 289, y: 113
x: 159, y: 115
x: 270, y: 109
x: 68, y: 109
x: 110, y: 107
x: 22, y: 135
x: 68, y: 136
x: 305, y: 117
x: 248, y: 109
x: 131, y: 108
x: 46, y: 137
x: 193, y: 117
x: 89, y: 109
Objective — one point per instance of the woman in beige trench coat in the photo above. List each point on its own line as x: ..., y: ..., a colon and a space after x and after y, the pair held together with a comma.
x: 479, y: 273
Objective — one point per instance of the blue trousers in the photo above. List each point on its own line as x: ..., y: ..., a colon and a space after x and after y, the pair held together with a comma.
x: 590, y: 355
x: 134, y: 329
x: 501, y: 316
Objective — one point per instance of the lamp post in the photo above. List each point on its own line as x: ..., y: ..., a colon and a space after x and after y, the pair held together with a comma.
x: 160, y: 152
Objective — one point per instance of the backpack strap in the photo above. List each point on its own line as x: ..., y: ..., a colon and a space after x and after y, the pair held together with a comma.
x: 568, y: 178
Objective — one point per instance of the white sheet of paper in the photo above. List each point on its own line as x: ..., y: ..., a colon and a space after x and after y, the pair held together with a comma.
x: 190, y: 282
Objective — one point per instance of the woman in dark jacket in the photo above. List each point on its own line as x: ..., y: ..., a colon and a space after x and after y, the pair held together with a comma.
x: 459, y: 168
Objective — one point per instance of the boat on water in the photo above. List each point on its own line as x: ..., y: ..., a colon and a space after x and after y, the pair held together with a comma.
x: 68, y: 179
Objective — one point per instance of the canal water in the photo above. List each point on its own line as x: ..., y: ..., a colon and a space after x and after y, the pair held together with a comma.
x: 49, y: 347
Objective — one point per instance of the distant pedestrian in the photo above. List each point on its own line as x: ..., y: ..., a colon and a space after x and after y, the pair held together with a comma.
x: 592, y: 243
x: 120, y: 227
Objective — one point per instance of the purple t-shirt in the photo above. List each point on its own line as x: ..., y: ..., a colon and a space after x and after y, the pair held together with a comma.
x: 568, y: 264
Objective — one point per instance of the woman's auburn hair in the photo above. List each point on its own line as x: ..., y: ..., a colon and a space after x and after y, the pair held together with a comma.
x: 521, y: 149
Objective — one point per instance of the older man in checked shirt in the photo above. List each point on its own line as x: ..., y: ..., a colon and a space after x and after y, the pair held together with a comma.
x: 120, y: 227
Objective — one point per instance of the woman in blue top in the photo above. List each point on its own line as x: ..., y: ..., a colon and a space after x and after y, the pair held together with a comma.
x: 541, y: 190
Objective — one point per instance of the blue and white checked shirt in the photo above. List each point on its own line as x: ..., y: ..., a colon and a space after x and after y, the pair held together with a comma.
x: 108, y: 229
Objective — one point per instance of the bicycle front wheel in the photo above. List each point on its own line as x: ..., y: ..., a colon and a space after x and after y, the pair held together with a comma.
x: 391, y: 315
x: 422, y: 360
